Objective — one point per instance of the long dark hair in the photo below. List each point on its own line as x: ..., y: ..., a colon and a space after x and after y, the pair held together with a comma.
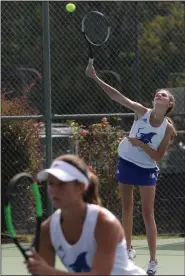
x: 91, y: 195
x: 169, y: 110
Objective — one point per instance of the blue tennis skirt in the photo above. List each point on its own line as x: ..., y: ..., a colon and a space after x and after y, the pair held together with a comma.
x: 129, y: 173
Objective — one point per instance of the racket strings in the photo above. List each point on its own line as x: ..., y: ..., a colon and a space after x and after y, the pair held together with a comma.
x: 96, y: 28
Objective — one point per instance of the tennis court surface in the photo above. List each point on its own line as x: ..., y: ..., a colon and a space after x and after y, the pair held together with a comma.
x: 170, y: 253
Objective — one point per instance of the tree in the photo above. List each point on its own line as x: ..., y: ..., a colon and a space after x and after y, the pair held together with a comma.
x: 162, y: 50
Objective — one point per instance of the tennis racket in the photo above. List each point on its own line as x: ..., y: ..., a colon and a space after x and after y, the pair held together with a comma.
x: 96, y: 31
x: 23, y: 211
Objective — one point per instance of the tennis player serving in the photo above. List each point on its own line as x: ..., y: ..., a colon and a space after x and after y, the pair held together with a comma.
x: 87, y: 238
x: 149, y: 138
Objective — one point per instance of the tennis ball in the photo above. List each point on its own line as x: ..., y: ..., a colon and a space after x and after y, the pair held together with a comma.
x: 70, y: 7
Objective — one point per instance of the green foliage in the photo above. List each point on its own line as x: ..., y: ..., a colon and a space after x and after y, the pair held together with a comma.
x: 162, y: 50
x: 97, y: 145
x: 20, y: 139
x: 20, y: 143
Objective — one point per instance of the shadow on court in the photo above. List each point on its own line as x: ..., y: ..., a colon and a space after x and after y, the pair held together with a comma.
x: 176, y: 246
x: 170, y: 254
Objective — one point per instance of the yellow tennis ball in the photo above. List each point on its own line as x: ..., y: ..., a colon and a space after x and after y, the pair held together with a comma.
x: 70, y: 7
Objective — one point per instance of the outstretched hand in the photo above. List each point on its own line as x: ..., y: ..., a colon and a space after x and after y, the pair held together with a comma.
x: 36, y: 265
x: 90, y: 71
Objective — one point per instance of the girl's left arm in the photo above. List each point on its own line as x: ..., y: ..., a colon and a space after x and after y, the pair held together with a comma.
x: 158, y: 154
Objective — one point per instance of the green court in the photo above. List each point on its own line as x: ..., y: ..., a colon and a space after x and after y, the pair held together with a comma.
x: 170, y: 253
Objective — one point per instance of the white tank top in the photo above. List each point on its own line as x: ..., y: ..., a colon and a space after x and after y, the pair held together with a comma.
x: 152, y: 136
x: 79, y: 257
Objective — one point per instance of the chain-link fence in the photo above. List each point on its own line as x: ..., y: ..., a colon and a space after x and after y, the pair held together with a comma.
x: 146, y: 50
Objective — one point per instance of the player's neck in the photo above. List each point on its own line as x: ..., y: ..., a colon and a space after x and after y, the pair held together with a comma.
x: 158, y: 114
x: 74, y: 212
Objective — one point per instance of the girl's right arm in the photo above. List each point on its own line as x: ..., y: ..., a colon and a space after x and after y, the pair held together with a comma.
x: 115, y: 95
x: 46, y: 250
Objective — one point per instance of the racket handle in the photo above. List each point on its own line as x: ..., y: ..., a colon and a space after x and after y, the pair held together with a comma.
x: 91, y: 61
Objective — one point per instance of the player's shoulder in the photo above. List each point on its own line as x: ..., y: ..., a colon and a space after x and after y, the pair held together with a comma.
x: 45, y: 225
x: 108, y: 219
x: 104, y: 213
x: 108, y: 224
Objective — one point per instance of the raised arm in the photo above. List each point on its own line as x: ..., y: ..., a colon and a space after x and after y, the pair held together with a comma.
x: 114, y: 94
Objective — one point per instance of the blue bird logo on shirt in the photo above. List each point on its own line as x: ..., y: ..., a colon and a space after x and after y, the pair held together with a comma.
x: 146, y: 138
x: 80, y: 265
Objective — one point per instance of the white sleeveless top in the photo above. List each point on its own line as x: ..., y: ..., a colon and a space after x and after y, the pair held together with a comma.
x: 79, y: 257
x: 152, y: 136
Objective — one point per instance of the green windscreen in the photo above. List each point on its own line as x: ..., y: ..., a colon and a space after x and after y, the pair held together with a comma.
x: 37, y: 195
x: 8, y: 218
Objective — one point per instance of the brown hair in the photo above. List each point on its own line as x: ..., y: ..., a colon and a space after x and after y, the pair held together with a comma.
x: 172, y: 100
x: 91, y: 195
x: 174, y: 129
x: 169, y: 110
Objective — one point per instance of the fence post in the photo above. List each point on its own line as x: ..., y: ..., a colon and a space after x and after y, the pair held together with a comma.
x: 137, y: 54
x: 47, y: 91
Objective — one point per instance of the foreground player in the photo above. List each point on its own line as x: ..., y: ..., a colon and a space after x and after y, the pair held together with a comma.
x: 87, y: 238
x: 147, y: 143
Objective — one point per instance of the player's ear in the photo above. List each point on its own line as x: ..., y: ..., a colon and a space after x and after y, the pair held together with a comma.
x: 153, y: 103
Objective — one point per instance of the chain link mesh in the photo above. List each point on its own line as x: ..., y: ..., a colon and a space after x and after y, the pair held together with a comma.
x: 21, y: 60
x: 21, y: 151
x: 145, y: 52
x: 21, y: 82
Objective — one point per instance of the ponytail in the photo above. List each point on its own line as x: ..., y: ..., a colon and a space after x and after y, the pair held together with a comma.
x: 174, y: 130
x: 91, y: 195
x: 169, y: 110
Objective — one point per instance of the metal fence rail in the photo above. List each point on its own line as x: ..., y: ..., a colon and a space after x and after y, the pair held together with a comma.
x: 146, y: 49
